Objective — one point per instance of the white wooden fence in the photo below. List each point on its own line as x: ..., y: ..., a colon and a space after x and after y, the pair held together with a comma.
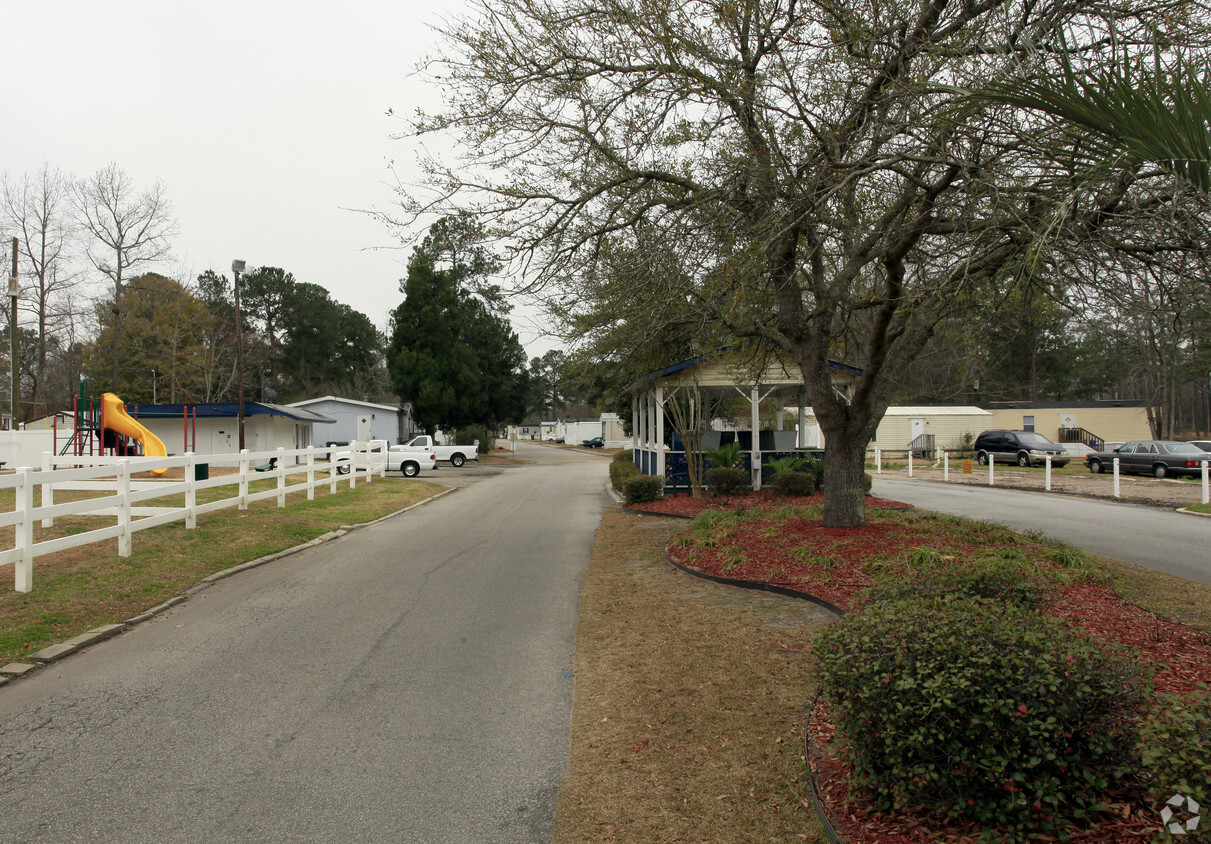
x: 112, y: 475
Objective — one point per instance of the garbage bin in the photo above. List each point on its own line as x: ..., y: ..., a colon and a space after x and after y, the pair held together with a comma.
x: 201, y: 471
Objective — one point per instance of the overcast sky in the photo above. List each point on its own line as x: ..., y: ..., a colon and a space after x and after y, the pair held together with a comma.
x: 266, y: 120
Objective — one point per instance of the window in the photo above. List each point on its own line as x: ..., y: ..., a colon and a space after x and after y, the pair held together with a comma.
x: 1027, y: 423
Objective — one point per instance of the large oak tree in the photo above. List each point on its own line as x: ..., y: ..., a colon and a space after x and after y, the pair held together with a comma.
x: 807, y: 165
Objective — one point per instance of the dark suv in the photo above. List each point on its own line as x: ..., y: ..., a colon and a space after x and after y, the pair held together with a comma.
x: 1026, y: 448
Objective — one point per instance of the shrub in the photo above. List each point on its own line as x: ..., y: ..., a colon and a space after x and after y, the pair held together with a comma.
x: 922, y: 574
x: 619, y: 472
x: 794, y: 483
x: 816, y: 468
x: 727, y: 481
x: 724, y: 457
x: 965, y: 708
x: 471, y: 433
x: 625, y: 456
x: 642, y: 489
x: 1176, y: 748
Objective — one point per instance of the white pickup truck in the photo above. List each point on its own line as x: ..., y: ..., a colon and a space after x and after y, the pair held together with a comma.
x: 456, y: 455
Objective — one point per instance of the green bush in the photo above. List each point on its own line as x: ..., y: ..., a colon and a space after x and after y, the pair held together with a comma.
x: 625, y: 456
x: 1176, y: 748
x: 471, y: 433
x: 724, y: 457
x: 619, y: 472
x: 723, y: 481
x: 962, y: 707
x: 794, y: 483
x: 921, y: 574
x: 642, y: 489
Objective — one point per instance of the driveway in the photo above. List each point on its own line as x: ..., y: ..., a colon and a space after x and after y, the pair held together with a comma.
x: 410, y: 682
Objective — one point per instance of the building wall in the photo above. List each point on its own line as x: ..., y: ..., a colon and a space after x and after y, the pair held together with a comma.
x: 385, y: 423
x: 895, y: 430
x: 1112, y: 424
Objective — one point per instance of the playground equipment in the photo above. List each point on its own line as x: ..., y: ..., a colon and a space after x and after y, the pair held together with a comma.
x: 102, y: 423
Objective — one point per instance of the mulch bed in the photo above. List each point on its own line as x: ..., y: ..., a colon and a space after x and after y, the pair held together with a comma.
x: 765, y: 552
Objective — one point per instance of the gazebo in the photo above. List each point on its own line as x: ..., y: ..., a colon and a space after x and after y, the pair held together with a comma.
x: 715, y: 375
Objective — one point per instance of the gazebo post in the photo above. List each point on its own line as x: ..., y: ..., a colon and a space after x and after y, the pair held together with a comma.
x: 801, y: 437
x: 659, y: 414
x: 756, y: 446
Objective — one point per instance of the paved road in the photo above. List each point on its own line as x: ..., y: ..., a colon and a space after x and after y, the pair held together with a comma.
x: 409, y: 682
x: 1170, y: 542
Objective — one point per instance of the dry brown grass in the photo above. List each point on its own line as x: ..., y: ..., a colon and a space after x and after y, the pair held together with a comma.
x: 690, y: 698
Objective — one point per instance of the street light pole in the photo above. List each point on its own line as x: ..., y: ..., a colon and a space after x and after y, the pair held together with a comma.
x: 12, y: 330
x: 237, y: 267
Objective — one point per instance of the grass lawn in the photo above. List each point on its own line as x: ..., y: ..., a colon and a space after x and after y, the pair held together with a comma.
x: 82, y: 588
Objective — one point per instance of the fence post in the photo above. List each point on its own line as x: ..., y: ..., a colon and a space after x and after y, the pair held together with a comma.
x: 878, y: 461
x: 1047, y: 478
x: 124, y: 538
x: 23, y: 580
x: 991, y: 461
x: 1116, y: 484
x: 332, y: 468
x: 281, y: 473
x: 353, y: 461
x: 945, y: 465
x: 1206, y: 500
x: 243, y: 505
x: 48, y: 489
x: 910, y: 463
x: 311, y: 473
x: 191, y: 493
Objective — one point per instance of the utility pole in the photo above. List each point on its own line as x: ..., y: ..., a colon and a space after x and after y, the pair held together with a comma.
x: 12, y: 330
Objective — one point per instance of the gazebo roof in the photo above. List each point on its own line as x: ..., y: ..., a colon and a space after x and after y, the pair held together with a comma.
x: 723, y: 369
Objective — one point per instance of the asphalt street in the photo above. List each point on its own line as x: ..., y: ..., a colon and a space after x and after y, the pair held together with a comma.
x: 409, y: 682
x: 1175, y: 543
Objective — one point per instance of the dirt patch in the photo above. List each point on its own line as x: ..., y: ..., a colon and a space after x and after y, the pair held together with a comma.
x: 690, y: 700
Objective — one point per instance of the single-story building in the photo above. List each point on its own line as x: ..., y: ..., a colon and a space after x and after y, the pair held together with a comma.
x: 608, y: 426
x: 214, y: 428
x: 924, y: 429
x: 359, y: 420
x: 1113, y: 420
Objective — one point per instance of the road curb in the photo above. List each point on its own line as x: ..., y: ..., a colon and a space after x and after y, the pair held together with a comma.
x: 54, y: 653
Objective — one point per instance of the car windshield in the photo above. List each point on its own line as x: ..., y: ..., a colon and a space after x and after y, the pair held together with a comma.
x: 1182, y: 448
x: 1036, y: 440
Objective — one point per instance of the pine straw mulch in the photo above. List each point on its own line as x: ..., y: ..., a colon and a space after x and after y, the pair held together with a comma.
x: 836, y: 564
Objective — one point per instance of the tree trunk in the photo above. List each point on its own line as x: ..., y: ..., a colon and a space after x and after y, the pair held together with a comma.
x: 844, y: 482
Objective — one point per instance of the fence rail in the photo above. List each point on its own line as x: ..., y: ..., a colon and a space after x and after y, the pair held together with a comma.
x: 127, y: 496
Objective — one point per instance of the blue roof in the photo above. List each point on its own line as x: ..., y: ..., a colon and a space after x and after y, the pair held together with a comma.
x: 225, y: 410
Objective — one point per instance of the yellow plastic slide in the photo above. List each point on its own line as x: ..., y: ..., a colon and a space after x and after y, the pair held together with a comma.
x: 115, y: 417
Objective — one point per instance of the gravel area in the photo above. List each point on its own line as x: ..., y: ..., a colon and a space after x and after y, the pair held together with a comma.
x: 1144, y: 490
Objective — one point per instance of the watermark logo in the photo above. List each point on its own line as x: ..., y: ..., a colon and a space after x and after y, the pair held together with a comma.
x: 1180, y: 814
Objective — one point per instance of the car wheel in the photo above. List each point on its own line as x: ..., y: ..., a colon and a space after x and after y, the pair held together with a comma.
x: 982, y: 458
x: 1160, y: 470
x: 1024, y: 460
x: 457, y: 460
x: 342, y: 470
x: 410, y: 469
x: 1096, y: 467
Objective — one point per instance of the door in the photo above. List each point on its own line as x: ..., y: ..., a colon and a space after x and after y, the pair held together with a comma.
x: 916, y: 428
x: 363, y: 427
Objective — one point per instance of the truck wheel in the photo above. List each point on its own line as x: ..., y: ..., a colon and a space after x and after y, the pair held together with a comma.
x: 457, y: 460
x: 410, y: 469
x: 343, y: 469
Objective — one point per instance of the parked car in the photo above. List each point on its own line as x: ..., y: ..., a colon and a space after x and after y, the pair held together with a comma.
x: 1026, y: 448
x: 596, y: 442
x: 1156, y: 457
x: 410, y: 465
x: 1205, y: 445
x: 457, y: 455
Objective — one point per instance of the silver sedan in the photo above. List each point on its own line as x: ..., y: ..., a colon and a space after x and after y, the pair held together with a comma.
x: 1161, y: 458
